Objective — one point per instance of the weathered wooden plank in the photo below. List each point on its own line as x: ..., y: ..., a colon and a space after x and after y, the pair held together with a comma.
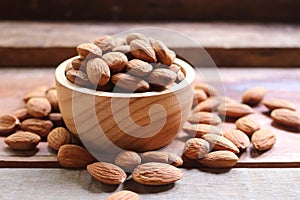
x: 267, y: 10
x: 196, y: 184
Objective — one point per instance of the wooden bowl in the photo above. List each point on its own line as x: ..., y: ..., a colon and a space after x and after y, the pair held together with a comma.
x: 133, y: 121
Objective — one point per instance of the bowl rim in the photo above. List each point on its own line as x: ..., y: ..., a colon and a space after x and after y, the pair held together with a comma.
x: 62, y: 79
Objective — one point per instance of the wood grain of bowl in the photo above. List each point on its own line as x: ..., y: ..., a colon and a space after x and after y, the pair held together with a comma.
x: 136, y: 121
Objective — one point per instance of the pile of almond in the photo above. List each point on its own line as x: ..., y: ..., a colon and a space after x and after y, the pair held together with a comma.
x: 132, y: 64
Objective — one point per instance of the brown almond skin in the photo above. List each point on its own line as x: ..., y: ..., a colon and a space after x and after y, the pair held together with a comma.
x: 219, y: 159
x: 199, y: 96
x: 234, y: 109
x: 74, y: 156
x: 247, y: 125
x: 196, y: 148
x: 136, y: 36
x: 164, y: 54
x: 78, y: 64
x: 78, y: 77
x: 38, y: 107
x: 123, y: 195
x: 237, y: 137
x: 22, y: 114
x: 201, y: 129
x: 38, y: 126
x: 116, y: 61
x: 286, y: 117
x: 162, y: 157
x: 89, y: 50
x: 36, y: 92
x: 161, y: 77
x: 107, y: 173
x: 208, y: 89
x: 142, y: 50
x: 22, y: 140
x: 273, y: 104
x: 208, y: 105
x: 105, y: 42
x: 253, y: 96
x: 263, y: 139
x: 128, y: 160
x: 51, y: 95
x: 130, y: 83
x: 153, y: 173
x: 8, y: 124
x: 58, y: 137
x: 98, y: 72
x: 219, y: 142
x: 204, y: 118
x: 138, y: 67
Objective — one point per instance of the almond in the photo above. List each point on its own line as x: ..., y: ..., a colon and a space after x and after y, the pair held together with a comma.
x: 122, y: 49
x: 136, y: 36
x: 22, y: 140
x: 128, y: 160
x: 89, y: 50
x: 7, y: 124
x: 208, y: 105
x: 123, y: 195
x: 199, y: 96
x: 78, y: 64
x: 78, y: 77
x: 196, y: 148
x: 237, y: 137
x: 247, y: 125
x: 107, y: 173
x: 138, y: 67
x: 180, y: 76
x: 208, y: 89
x: 105, y: 42
x: 97, y: 71
x: 38, y: 107
x: 142, y: 50
x: 51, y: 95
x: 153, y: 173
x: 273, y: 104
x: 219, y: 159
x: 219, y: 142
x: 38, y: 126
x: 263, y: 139
x: 164, y: 54
x: 58, y: 137
x: 69, y: 67
x: 37, y: 92
x: 286, y: 117
x: 21, y: 114
x: 201, y: 129
x: 161, y: 77
x: 129, y: 82
x: 162, y: 157
x: 56, y: 119
x: 116, y: 61
x: 174, y: 67
x: 253, y: 96
x: 120, y: 41
x: 74, y: 156
x: 234, y: 109
x: 204, y: 118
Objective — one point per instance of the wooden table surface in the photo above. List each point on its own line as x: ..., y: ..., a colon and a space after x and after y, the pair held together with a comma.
x: 268, y: 175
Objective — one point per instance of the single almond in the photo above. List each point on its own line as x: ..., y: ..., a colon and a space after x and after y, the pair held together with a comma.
x: 174, y: 67
x: 204, y: 118
x: 219, y: 142
x: 142, y: 50
x: 98, y: 72
x: 253, y: 96
x: 286, y: 117
x: 138, y: 67
x: 162, y: 157
x: 164, y: 54
x: 51, y: 95
x: 199, y: 96
x: 154, y: 173
x: 263, y: 139
x: 161, y: 77
x: 273, y: 104
x: 105, y: 42
x: 89, y: 50
x: 78, y: 77
x: 36, y: 92
x: 8, y: 124
x: 107, y: 173
x: 219, y: 159
x: 129, y: 82
x: 78, y: 64
x: 56, y: 119
x: 128, y: 160
x: 74, y: 156
x: 207, y: 88
x: 38, y: 126
x: 237, y: 137
x: 136, y: 36
x: 21, y: 114
x: 116, y: 61
x: 123, y: 195
x: 234, y: 109
x: 58, y: 137
x: 201, y: 129
x: 22, y: 140
x: 196, y: 148
x: 208, y: 105
x: 38, y: 107
x: 125, y: 49
x: 247, y: 125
